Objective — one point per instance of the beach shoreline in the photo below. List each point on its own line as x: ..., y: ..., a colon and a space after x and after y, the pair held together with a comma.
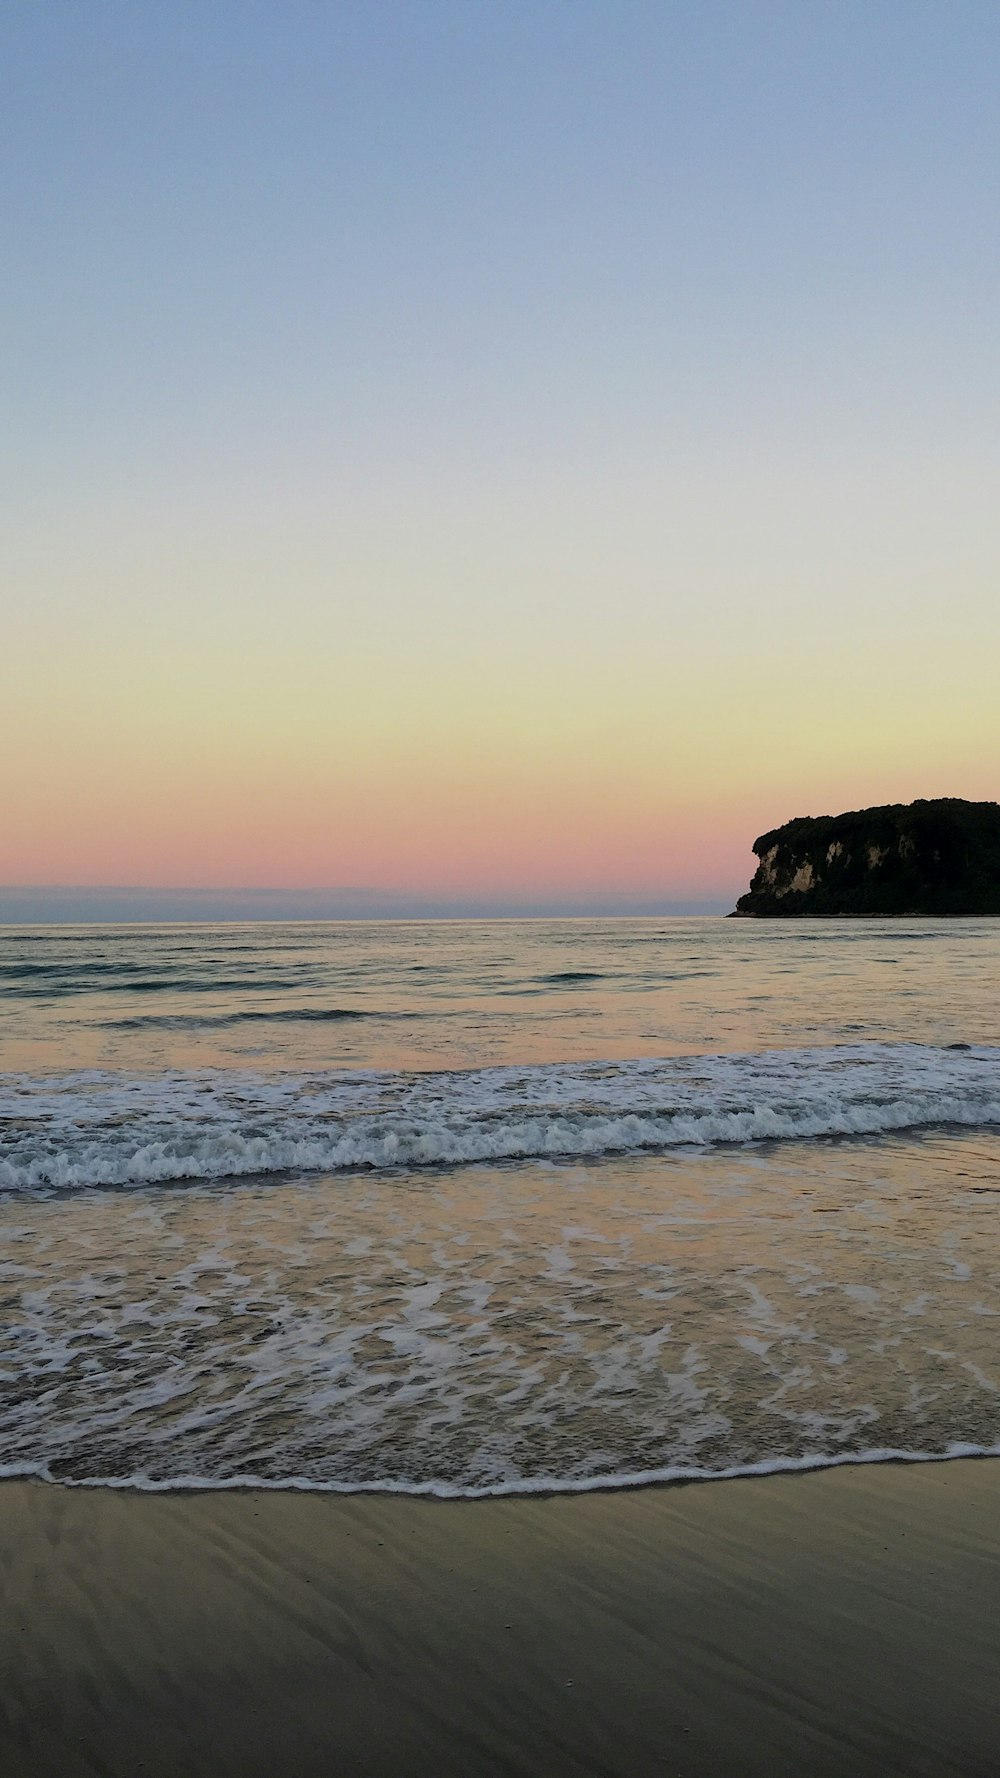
x: 840, y: 1621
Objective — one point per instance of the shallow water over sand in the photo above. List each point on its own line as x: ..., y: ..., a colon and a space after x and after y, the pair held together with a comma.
x: 493, y: 1206
x: 501, y: 1329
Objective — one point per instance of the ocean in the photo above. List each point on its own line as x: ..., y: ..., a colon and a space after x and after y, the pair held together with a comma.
x: 493, y: 1207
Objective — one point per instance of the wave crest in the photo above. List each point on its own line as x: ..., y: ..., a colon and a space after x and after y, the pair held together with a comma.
x: 96, y: 1129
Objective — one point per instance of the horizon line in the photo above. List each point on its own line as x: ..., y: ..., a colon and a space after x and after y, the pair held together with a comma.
x: 137, y: 904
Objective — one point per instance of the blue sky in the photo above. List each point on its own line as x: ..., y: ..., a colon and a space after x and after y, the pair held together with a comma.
x: 239, y: 231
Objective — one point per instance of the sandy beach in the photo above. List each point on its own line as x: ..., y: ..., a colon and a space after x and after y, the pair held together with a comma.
x: 843, y: 1622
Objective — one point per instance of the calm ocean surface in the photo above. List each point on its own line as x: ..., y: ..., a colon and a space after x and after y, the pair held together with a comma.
x: 495, y: 1206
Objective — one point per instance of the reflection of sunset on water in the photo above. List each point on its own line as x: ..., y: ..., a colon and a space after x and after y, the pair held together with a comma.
x: 461, y: 994
x: 496, y: 1329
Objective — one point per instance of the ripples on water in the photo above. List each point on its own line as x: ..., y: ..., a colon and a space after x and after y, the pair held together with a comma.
x: 461, y: 994
x: 698, y: 1297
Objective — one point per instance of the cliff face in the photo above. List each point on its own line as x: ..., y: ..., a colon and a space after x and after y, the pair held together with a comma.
x: 930, y: 858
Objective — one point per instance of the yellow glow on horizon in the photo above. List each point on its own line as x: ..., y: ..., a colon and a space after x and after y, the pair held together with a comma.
x: 449, y: 712
x: 256, y: 759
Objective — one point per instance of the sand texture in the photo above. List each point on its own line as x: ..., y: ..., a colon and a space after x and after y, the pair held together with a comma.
x: 844, y: 1622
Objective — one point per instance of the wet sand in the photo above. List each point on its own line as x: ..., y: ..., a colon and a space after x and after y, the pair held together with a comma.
x: 843, y: 1622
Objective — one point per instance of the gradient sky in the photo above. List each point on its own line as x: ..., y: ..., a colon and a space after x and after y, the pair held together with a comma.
x: 508, y: 448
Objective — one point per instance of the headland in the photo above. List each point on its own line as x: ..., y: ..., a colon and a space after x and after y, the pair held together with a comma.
x: 925, y: 859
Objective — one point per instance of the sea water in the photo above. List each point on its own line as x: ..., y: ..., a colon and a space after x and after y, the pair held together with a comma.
x: 497, y: 1206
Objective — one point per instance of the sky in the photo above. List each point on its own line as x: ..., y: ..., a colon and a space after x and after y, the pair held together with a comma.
x: 501, y: 452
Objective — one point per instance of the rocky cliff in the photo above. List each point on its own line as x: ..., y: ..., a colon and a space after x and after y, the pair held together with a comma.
x: 922, y: 858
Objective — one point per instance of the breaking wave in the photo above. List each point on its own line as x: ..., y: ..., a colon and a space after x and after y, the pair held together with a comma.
x: 102, y: 1129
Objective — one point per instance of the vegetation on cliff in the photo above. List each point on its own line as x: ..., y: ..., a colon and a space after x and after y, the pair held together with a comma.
x: 937, y: 858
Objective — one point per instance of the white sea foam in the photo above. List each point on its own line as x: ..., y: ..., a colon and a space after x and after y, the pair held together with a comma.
x: 605, y: 1482
x: 514, y: 1330
x: 103, y: 1129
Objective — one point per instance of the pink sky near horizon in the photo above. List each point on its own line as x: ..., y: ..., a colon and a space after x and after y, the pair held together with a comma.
x: 116, y: 809
x: 346, y: 735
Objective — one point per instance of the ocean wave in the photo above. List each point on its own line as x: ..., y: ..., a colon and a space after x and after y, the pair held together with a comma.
x: 297, y: 1015
x: 101, y: 1129
x: 519, y: 1486
x: 63, y: 984
x: 567, y: 977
